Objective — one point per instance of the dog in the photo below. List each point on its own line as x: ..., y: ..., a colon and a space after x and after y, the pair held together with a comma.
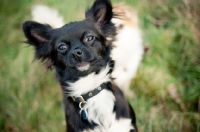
x: 80, y: 52
x: 128, y: 49
x: 127, y: 44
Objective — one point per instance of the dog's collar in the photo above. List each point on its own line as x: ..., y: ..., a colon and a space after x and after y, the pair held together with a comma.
x: 84, y: 97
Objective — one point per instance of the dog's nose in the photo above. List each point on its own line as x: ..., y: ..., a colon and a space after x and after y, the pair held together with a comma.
x: 77, y: 53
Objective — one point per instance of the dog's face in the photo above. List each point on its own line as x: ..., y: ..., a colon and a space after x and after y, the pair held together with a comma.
x: 78, y: 48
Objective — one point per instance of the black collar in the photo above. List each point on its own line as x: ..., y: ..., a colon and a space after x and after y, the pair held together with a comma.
x: 84, y: 97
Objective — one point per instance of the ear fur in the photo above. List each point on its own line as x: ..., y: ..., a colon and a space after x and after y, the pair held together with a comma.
x: 38, y: 36
x: 100, y: 12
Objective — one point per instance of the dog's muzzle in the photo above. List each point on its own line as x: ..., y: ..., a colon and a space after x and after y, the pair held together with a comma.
x: 78, y: 58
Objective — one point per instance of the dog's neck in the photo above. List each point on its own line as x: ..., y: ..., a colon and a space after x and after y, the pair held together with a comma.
x: 89, y: 82
x: 84, y: 97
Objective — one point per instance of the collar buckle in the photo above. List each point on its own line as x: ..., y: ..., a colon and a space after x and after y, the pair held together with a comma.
x: 79, y: 99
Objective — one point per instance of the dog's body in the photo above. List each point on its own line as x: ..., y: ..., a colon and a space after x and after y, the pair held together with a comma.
x: 80, y: 54
x: 127, y: 43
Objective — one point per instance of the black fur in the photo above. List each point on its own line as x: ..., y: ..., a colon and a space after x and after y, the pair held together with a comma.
x: 73, y: 45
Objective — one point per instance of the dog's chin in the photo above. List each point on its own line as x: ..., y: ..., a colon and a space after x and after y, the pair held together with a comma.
x: 83, y: 66
x: 81, y: 69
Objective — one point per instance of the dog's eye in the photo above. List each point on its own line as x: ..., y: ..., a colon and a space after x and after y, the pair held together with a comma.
x: 89, y: 38
x: 62, y: 47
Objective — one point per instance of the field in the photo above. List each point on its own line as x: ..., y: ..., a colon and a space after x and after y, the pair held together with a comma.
x: 167, y: 84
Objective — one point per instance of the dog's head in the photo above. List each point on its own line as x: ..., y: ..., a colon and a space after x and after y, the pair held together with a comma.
x: 77, y: 48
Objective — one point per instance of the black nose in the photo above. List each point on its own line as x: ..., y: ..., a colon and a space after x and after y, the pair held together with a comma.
x: 77, y: 53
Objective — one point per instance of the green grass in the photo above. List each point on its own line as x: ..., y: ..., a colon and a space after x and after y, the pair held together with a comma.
x: 31, y: 99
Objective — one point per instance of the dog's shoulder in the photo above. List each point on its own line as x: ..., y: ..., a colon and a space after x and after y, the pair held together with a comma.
x: 121, y: 104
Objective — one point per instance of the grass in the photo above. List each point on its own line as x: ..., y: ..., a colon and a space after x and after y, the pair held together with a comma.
x: 167, y: 84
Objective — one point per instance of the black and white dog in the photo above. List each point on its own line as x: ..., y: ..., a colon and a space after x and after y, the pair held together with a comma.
x: 80, y: 54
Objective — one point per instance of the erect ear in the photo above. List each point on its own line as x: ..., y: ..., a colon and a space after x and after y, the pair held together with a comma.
x: 100, y: 12
x: 38, y: 36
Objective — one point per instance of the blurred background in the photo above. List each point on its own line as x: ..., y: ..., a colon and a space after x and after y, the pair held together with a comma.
x: 167, y: 84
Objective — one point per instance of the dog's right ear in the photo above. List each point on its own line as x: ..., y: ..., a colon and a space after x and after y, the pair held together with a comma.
x: 38, y: 36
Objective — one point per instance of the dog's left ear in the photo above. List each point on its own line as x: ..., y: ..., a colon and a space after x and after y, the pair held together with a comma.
x: 100, y: 12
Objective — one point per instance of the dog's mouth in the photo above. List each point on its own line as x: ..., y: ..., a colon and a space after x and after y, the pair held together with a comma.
x: 83, y: 66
